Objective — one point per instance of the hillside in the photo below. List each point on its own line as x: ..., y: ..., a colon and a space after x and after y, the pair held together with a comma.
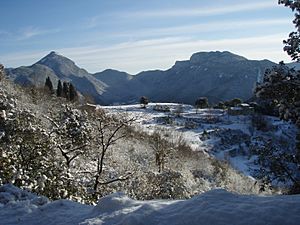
x: 217, y: 75
x: 165, y: 151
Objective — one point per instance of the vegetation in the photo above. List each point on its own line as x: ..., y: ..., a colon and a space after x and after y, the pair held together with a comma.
x: 49, y: 85
x: 201, y: 103
x: 281, y: 88
x: 144, y: 101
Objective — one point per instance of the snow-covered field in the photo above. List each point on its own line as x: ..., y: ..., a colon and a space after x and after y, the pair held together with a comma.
x: 213, y: 207
x: 212, y: 131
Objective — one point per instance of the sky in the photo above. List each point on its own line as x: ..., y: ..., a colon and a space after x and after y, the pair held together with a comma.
x: 138, y: 35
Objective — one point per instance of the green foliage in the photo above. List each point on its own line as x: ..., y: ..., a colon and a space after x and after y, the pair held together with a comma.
x: 59, y: 90
x: 233, y: 102
x: 220, y: 105
x: 49, y: 85
x: 144, y: 101
x: 281, y: 86
x: 73, y: 93
x: 293, y: 42
x: 65, y: 90
x: 201, y: 103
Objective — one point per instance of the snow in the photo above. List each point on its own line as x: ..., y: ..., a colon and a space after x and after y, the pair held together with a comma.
x: 226, y: 126
x: 214, y: 207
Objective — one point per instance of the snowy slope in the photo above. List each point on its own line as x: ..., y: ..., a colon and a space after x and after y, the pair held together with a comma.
x: 215, y: 207
x: 213, y: 131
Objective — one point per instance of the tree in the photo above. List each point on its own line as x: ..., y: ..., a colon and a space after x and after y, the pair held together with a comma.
x: 59, y: 90
x: 72, y: 93
x: 281, y: 85
x: 292, y: 44
x: 144, y: 101
x: 201, y: 103
x: 233, y: 102
x: 161, y: 148
x: 109, y: 130
x: 49, y: 85
x: 65, y: 90
x: 71, y: 134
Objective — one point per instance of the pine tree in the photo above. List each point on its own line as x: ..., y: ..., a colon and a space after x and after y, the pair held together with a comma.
x: 293, y: 42
x: 72, y: 93
x: 65, y: 90
x: 144, y: 101
x: 59, y: 90
x: 49, y: 85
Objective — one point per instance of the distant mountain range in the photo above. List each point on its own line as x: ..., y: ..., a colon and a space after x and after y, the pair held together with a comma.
x: 217, y: 75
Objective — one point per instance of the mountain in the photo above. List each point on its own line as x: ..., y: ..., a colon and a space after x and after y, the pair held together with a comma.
x: 295, y: 65
x: 217, y: 75
x: 58, y: 67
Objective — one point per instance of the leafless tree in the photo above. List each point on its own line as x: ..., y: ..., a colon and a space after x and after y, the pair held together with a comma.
x: 109, y: 130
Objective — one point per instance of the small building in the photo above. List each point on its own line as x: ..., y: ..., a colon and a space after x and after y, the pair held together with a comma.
x: 241, y: 109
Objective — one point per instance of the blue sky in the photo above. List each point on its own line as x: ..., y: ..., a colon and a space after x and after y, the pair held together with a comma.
x: 137, y: 35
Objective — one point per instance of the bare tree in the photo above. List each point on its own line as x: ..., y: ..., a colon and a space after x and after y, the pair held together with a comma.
x: 109, y: 130
x: 161, y: 147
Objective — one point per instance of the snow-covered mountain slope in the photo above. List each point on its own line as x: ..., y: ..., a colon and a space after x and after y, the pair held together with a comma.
x: 217, y: 75
x: 216, y: 207
x: 235, y: 139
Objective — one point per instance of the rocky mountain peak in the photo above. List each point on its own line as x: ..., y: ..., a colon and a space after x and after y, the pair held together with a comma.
x: 54, y: 58
x: 61, y: 65
x: 215, y: 57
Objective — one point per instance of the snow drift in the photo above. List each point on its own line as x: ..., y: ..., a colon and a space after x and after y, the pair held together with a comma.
x: 213, y: 207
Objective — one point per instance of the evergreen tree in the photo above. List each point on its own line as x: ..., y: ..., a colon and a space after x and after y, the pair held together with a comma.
x: 59, y: 90
x: 65, y: 90
x: 49, y: 85
x: 281, y: 85
x: 72, y: 93
x: 292, y: 44
x: 201, y: 103
x: 144, y: 101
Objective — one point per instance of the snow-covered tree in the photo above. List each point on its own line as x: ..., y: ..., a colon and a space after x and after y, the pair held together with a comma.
x: 292, y: 44
x: 107, y: 130
x: 281, y: 85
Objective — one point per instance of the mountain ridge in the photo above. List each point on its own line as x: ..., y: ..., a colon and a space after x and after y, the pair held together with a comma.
x: 217, y: 75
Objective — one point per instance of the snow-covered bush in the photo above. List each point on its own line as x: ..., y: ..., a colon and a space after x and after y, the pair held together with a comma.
x: 166, y: 185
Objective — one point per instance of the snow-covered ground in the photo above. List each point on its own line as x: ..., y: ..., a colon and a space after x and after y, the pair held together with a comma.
x: 214, y: 207
x: 212, y: 131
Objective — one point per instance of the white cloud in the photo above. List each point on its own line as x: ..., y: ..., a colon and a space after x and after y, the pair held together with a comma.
x: 161, y: 53
x: 206, y: 27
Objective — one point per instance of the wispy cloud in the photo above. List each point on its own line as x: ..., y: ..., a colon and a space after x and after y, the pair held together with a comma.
x: 205, y: 27
x: 158, y: 53
x: 162, y: 53
x: 29, y: 32
x: 209, y: 11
